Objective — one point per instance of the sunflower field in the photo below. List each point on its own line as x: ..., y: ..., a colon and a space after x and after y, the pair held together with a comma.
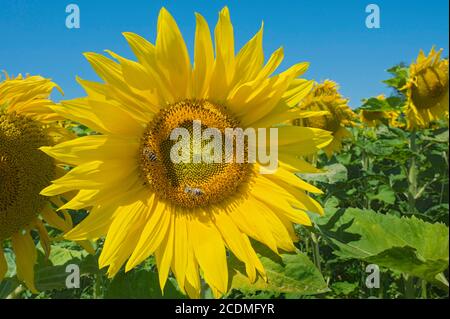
x: 92, y: 206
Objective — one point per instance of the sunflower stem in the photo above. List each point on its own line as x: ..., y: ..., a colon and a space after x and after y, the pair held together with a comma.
x: 441, y: 198
x: 16, y: 293
x: 314, y: 240
x: 316, y: 250
x: 412, y: 191
x: 412, y: 173
x: 97, y: 287
x: 424, y: 289
x: 409, y: 287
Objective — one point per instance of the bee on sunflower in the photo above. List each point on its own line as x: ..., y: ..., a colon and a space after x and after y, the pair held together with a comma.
x: 427, y: 90
x: 186, y: 214
x: 27, y: 122
x: 327, y: 110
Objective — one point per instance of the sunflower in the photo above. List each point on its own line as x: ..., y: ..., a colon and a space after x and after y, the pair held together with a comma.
x: 27, y: 123
x: 188, y: 215
x: 373, y: 118
x: 332, y: 113
x: 427, y: 90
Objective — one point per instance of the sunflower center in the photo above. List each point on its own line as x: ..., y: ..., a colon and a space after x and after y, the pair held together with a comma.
x: 373, y: 115
x: 24, y: 172
x: 430, y: 87
x: 325, y: 122
x: 190, y: 183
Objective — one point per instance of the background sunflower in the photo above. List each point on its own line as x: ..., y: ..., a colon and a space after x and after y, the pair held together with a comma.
x: 332, y: 113
x: 27, y: 123
x: 427, y: 90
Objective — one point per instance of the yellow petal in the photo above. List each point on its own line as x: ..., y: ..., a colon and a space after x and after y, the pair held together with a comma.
x: 94, y: 226
x: 284, y: 175
x: 53, y: 219
x: 235, y: 241
x: 172, y: 55
x: 43, y: 236
x: 210, y: 252
x: 26, y: 256
x: 3, y: 265
x: 92, y: 175
x: 125, y: 219
x: 192, y: 284
x: 249, y: 220
x: 266, y: 96
x: 164, y: 254
x: 277, y: 198
x: 93, y: 147
x: 142, y: 49
x: 203, y: 58
x: 224, y: 67
x: 152, y: 235
x: 180, y: 256
x: 277, y: 228
x: 250, y: 59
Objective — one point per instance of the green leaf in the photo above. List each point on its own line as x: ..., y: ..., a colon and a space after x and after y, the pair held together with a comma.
x: 333, y: 173
x: 51, y: 274
x: 408, y: 245
x: 140, y: 284
x: 373, y: 104
x: 344, y: 287
x: 385, y: 194
x: 401, y: 74
x: 287, y: 273
x: 7, y: 286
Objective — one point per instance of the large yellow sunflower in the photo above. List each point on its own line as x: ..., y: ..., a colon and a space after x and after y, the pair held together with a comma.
x: 27, y: 123
x: 427, y: 90
x: 325, y: 97
x: 187, y: 215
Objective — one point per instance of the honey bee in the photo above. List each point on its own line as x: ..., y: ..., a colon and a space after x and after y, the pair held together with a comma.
x: 193, y: 191
x: 149, y: 154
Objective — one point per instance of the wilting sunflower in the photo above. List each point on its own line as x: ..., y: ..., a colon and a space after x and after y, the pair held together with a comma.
x: 27, y: 123
x: 186, y: 214
x: 325, y: 97
x: 427, y: 90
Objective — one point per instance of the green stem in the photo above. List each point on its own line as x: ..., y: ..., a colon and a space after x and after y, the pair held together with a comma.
x: 424, y: 289
x: 441, y: 198
x: 409, y: 287
x: 16, y: 293
x: 97, y: 287
x: 412, y: 174
x: 316, y: 251
x: 412, y: 191
x: 314, y: 240
x: 366, y: 168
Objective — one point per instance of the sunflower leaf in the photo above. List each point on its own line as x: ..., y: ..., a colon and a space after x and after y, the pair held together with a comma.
x: 290, y: 274
x: 7, y: 286
x: 140, y: 284
x: 332, y: 174
x: 408, y: 245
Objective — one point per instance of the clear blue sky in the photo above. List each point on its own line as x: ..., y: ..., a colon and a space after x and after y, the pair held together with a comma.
x: 329, y: 34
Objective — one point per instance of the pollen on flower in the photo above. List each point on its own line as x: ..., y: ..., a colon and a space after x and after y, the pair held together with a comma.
x: 190, y: 184
x: 24, y: 171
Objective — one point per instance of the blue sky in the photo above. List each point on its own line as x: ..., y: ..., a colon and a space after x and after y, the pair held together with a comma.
x: 331, y: 35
